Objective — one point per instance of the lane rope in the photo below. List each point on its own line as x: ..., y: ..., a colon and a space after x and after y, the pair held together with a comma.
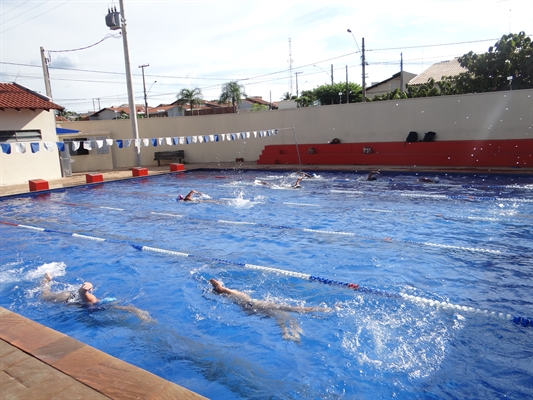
x: 518, y: 320
x: 308, y: 230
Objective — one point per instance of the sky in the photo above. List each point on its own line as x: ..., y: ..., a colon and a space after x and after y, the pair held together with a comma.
x: 204, y: 44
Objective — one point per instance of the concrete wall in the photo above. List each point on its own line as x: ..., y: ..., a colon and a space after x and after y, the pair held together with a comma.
x: 18, y: 168
x: 501, y: 115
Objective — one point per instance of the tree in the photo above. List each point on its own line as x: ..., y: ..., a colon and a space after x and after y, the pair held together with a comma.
x: 511, y: 56
x: 232, y: 91
x: 288, y: 96
x: 259, y: 107
x: 329, y: 94
x: 191, y: 97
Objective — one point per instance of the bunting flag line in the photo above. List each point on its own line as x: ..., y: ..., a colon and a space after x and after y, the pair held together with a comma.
x: 20, y: 147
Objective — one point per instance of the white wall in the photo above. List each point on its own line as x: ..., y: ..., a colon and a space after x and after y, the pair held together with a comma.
x: 18, y: 168
x: 497, y: 115
x: 93, y: 161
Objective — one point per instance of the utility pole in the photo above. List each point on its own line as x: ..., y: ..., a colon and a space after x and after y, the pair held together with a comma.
x: 364, y: 75
x: 331, y: 74
x: 290, y: 68
x: 401, y: 72
x: 347, y: 88
x: 297, y: 93
x: 146, y: 113
x: 46, y: 74
x: 114, y: 24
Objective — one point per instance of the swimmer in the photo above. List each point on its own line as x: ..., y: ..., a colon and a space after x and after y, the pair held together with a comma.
x: 289, y: 326
x: 189, y: 196
x: 86, y: 297
x: 371, y: 176
x: 429, y: 180
x: 297, y: 183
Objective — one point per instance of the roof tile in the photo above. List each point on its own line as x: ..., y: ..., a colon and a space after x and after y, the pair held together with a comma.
x: 13, y: 95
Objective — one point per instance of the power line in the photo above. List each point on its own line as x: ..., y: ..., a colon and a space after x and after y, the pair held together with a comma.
x: 14, y: 8
x: 23, y: 22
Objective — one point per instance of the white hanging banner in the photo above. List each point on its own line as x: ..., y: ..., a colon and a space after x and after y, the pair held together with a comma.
x: 168, y: 141
x: 137, y: 142
x: 161, y: 141
x: 255, y: 134
x: 99, y: 144
x: 247, y: 135
x: 49, y: 146
x: 212, y: 138
x: 75, y: 145
x: 20, y: 147
x: 200, y: 139
x: 195, y: 139
x: 146, y: 142
x: 127, y: 142
x: 109, y: 142
x: 182, y: 140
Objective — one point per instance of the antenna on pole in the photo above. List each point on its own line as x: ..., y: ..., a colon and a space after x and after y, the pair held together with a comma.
x: 290, y: 68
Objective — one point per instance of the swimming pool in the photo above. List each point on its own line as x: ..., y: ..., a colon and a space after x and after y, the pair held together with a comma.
x: 434, y: 260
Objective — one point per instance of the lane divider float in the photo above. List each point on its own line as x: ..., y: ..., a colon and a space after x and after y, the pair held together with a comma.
x: 518, y: 320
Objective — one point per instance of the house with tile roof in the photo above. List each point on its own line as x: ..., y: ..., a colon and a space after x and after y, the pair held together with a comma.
x: 438, y: 71
x: 108, y: 113
x: 390, y: 84
x: 248, y: 103
x: 27, y: 136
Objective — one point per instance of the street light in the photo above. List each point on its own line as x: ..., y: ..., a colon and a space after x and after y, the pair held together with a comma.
x: 362, y: 63
x: 331, y: 75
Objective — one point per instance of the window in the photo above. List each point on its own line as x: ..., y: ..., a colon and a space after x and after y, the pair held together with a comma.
x: 104, y: 149
x: 20, y: 136
x: 81, y: 150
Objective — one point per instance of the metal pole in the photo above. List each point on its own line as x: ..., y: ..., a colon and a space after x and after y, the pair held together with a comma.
x: 331, y: 74
x: 131, y: 97
x: 401, y: 72
x: 297, y: 149
x: 364, y: 81
x: 347, y: 87
x: 46, y: 75
x: 146, y: 114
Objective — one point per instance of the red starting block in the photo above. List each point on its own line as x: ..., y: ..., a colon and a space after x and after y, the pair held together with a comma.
x: 93, y: 178
x: 38, y: 184
x: 177, y: 167
x: 139, y: 171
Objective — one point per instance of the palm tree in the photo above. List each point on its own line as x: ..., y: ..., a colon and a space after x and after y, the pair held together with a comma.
x: 232, y: 91
x: 192, y: 97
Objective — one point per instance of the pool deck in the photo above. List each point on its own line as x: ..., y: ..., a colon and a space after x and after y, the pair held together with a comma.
x: 37, y: 362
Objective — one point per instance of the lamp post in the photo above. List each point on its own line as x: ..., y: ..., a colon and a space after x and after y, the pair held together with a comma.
x: 362, y: 63
x: 331, y: 75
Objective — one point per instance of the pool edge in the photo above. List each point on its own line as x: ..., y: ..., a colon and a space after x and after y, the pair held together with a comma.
x: 36, y: 360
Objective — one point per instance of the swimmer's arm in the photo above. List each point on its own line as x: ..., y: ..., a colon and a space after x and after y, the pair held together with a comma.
x: 141, y: 314
x: 85, y: 293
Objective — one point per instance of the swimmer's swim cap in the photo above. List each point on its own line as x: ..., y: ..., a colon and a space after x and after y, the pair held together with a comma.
x: 180, y: 197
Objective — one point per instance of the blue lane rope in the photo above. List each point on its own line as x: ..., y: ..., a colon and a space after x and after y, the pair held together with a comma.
x: 436, y: 196
x: 307, y: 230
x: 518, y: 320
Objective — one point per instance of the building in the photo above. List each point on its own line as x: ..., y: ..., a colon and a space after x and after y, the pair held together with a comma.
x: 390, y: 85
x: 119, y: 112
x: 27, y: 135
x: 437, y: 72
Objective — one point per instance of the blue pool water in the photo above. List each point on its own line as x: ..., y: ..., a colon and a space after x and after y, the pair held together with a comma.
x: 434, y: 260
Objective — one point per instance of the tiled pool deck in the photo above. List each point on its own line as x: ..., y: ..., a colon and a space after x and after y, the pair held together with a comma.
x: 37, y: 362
